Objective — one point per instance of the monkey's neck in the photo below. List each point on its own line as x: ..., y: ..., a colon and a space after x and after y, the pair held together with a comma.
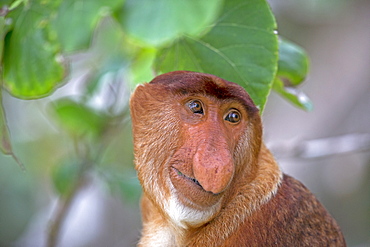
x: 160, y: 231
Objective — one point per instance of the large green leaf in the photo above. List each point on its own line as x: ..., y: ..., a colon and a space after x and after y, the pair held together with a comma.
x: 159, y: 21
x: 242, y: 47
x: 75, y: 21
x: 32, y: 67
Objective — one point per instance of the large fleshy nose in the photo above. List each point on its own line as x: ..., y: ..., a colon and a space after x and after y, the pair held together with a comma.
x: 213, y: 166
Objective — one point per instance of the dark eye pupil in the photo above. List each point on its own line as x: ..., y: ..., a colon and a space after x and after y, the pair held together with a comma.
x: 233, y: 117
x: 196, y: 107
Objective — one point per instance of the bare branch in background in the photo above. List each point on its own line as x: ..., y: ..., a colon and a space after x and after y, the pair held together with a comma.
x: 318, y: 148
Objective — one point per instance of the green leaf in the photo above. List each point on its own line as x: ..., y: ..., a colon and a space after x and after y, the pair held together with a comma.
x: 242, y: 47
x: 293, y: 67
x: 32, y: 66
x: 65, y: 176
x: 295, y: 96
x: 78, y: 119
x: 293, y: 63
x: 75, y: 21
x: 160, y: 21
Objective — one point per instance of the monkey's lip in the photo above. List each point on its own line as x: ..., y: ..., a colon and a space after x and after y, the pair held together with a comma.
x: 190, y: 192
x: 193, y: 180
x: 183, y: 175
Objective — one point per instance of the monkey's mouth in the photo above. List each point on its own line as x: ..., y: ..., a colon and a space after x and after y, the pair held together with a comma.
x: 190, y: 192
x: 188, y: 178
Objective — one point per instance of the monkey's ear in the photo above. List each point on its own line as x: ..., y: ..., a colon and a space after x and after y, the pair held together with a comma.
x: 137, y: 89
x: 146, y: 98
x: 143, y: 91
x: 140, y: 94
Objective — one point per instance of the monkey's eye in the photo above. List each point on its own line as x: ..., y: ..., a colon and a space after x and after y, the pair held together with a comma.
x: 196, y: 106
x: 233, y: 116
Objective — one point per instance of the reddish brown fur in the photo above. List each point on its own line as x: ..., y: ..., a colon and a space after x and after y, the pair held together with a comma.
x: 294, y: 217
x: 180, y: 155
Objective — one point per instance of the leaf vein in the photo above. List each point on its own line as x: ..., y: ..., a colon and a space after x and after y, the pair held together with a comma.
x: 193, y: 57
x: 222, y: 55
x: 244, y: 45
x: 244, y: 27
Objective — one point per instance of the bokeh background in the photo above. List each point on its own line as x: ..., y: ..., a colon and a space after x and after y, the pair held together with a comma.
x: 336, y: 35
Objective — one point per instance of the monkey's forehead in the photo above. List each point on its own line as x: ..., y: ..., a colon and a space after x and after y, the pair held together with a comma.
x: 194, y: 83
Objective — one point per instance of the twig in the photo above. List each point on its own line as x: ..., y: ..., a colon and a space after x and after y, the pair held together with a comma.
x: 63, y: 207
x: 317, y: 148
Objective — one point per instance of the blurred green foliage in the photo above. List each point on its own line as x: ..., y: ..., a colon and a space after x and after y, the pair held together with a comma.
x: 109, y: 47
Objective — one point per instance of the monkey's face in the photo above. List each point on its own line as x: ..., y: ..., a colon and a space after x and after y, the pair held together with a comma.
x: 195, y: 135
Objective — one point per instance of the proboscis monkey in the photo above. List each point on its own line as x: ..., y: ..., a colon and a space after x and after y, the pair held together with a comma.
x: 208, y: 179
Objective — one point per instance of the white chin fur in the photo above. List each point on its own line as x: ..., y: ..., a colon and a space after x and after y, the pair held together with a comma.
x: 185, y: 216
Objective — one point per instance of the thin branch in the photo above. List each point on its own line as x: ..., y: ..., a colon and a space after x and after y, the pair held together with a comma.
x: 63, y: 207
x: 317, y: 148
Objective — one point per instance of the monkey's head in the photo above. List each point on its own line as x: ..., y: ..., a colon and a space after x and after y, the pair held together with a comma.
x: 196, y: 136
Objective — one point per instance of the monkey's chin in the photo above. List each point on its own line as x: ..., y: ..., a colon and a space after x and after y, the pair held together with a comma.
x: 191, y: 193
